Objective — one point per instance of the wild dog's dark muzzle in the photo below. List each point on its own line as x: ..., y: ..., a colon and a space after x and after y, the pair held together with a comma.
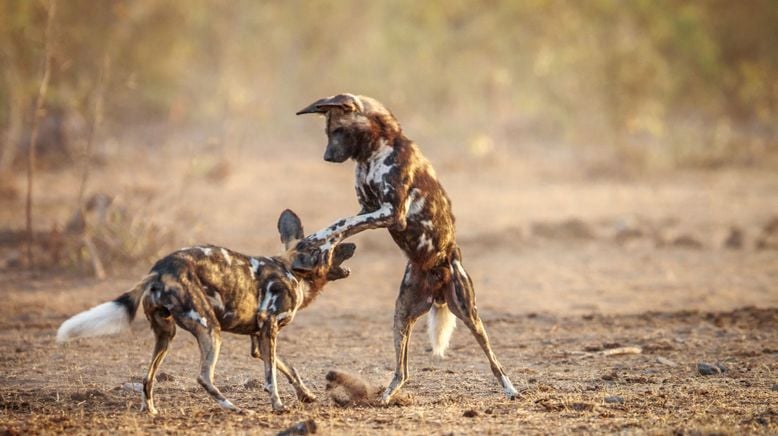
x: 337, y: 148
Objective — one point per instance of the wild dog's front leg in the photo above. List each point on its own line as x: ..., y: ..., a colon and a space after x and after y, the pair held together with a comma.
x: 267, y: 348
x: 255, y: 346
x: 303, y: 393
x: 386, y: 216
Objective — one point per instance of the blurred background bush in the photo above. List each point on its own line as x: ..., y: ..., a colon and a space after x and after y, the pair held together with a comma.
x: 647, y: 83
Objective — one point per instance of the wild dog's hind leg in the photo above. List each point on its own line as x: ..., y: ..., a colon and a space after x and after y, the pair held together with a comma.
x: 414, y: 301
x: 303, y: 393
x: 461, y: 301
x: 209, y: 340
x: 164, y: 330
x: 210, y: 344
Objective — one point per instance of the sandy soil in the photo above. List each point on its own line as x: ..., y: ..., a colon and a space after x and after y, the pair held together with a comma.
x: 567, y: 266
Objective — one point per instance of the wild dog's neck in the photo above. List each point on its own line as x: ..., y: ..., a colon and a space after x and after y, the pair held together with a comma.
x: 377, y: 147
x: 381, y: 134
x: 310, y: 289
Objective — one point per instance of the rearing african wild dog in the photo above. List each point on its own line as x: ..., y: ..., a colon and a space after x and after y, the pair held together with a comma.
x: 397, y: 189
x: 207, y: 290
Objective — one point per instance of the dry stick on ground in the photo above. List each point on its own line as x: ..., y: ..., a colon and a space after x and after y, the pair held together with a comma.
x: 34, y: 132
x: 97, y: 116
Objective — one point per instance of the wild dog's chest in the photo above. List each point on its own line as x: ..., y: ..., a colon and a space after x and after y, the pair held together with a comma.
x: 372, y: 177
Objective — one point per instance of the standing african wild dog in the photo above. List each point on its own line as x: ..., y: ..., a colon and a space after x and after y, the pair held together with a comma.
x: 207, y: 290
x: 397, y: 189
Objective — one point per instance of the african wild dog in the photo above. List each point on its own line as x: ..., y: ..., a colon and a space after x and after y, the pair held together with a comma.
x: 208, y: 290
x: 397, y: 189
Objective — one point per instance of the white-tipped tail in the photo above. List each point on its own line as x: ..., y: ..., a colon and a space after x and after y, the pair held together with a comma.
x: 106, y: 319
x: 440, y: 326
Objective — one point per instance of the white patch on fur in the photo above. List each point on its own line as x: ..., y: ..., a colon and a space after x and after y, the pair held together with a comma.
x: 303, y: 288
x: 206, y: 251
x: 106, y: 319
x: 407, y: 278
x: 427, y: 224
x: 508, y: 388
x: 227, y: 256
x: 378, y: 169
x: 416, y: 202
x: 255, y: 264
x: 459, y: 268
x: 440, y: 325
x: 331, y: 233
x: 425, y: 241
x: 196, y: 316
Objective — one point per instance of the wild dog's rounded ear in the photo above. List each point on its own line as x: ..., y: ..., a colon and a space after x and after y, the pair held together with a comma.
x: 289, y: 227
x: 346, y: 102
x: 342, y: 252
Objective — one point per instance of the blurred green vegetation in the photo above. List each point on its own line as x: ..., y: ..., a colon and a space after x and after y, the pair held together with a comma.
x: 673, y: 82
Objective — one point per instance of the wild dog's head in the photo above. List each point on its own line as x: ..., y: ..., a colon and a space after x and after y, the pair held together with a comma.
x: 307, y: 268
x: 311, y: 262
x: 355, y: 124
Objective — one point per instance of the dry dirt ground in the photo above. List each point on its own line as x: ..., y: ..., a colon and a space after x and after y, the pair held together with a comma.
x: 567, y: 267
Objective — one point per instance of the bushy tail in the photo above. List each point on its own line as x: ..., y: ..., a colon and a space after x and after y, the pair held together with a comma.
x: 440, y: 326
x: 106, y: 319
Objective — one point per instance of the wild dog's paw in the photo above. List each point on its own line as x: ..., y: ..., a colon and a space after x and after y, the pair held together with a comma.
x: 306, y: 396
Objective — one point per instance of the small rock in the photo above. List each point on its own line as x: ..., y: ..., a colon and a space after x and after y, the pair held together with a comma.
x: 83, y: 396
x: 133, y: 387
x: 610, y: 376
x: 301, y: 428
x: 706, y: 369
x: 774, y: 388
x: 582, y: 407
x: 470, y: 413
x: 734, y: 240
x: 253, y: 384
x: 686, y: 241
x: 622, y: 350
x: 614, y: 399
x: 165, y: 377
x: 665, y: 361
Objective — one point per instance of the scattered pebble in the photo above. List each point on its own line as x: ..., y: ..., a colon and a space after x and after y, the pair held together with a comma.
x: 83, y: 396
x: 165, y: 377
x: 665, y: 361
x: 610, y: 376
x: 686, y: 241
x: 707, y: 369
x: 734, y: 240
x: 614, y: 399
x: 622, y: 350
x: 253, y: 384
x: 133, y: 387
x: 582, y: 407
x: 774, y: 388
x: 470, y: 413
x: 301, y: 428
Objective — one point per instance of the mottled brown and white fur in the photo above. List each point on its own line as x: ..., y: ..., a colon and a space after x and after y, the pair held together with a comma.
x: 208, y: 290
x: 398, y: 190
